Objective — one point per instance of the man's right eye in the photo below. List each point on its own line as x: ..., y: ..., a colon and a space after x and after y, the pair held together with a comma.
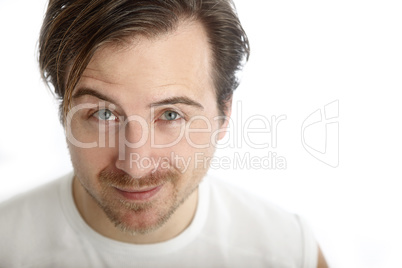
x: 105, y: 115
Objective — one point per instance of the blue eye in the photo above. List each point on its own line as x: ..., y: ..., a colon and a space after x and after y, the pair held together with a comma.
x: 170, y: 116
x: 105, y: 114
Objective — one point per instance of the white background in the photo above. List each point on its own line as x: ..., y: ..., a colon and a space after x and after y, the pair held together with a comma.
x: 305, y: 54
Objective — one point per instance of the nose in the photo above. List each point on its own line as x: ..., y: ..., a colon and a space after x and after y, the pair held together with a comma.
x: 136, y: 156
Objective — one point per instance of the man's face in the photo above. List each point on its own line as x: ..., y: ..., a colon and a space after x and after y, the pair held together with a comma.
x: 147, y: 113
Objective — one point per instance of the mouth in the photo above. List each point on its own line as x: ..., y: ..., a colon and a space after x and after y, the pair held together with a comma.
x: 139, y: 195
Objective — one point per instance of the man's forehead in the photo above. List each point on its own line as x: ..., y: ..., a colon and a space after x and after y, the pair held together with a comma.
x: 180, y: 58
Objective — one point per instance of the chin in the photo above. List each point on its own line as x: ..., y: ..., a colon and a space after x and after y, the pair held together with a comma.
x: 140, y: 218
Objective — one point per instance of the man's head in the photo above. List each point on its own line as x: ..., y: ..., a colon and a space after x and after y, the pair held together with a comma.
x: 144, y: 85
x: 74, y: 30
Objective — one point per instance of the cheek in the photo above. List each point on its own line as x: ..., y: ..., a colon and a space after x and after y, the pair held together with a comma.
x: 198, y: 140
x: 167, y: 135
x: 84, y: 131
x: 201, y: 134
x: 90, y: 161
x: 192, y: 157
x: 183, y: 139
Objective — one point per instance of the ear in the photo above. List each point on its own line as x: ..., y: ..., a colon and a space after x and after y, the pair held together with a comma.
x: 226, y: 120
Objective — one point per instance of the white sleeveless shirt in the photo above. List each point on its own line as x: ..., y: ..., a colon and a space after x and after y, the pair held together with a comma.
x: 231, y: 228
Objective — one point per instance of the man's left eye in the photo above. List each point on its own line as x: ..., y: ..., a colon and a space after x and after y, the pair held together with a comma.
x: 170, y: 116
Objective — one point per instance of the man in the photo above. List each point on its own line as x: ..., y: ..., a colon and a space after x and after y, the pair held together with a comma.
x: 145, y: 90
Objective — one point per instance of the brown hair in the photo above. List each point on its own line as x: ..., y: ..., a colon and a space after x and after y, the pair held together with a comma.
x: 74, y: 29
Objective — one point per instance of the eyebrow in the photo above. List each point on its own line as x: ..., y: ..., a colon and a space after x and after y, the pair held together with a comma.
x: 87, y: 91
x: 180, y: 100
x: 173, y: 100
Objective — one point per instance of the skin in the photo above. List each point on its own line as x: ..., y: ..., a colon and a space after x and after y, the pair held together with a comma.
x: 128, y: 79
x: 321, y: 263
x: 133, y: 77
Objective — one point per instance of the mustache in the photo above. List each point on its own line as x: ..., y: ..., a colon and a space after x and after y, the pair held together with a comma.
x: 123, y: 180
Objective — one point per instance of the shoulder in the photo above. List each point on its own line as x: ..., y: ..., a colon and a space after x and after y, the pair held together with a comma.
x: 35, y: 200
x: 247, y: 205
x: 28, y: 221
x: 255, y: 226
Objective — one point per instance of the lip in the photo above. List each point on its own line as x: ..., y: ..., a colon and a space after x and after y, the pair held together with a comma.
x: 141, y: 194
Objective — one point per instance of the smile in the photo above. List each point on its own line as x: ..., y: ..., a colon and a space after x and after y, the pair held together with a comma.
x: 139, y: 195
